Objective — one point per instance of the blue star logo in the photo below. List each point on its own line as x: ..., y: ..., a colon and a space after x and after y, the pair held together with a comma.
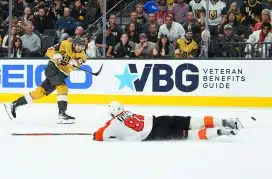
x: 126, y: 79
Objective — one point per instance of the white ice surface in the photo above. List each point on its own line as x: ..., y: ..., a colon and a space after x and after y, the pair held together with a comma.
x: 245, y: 156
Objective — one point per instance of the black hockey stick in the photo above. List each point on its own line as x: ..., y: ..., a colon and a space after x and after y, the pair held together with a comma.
x: 95, y: 74
x: 49, y: 134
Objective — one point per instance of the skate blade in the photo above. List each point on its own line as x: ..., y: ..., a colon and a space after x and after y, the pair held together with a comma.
x: 239, y: 124
x: 66, y: 122
x: 7, y: 108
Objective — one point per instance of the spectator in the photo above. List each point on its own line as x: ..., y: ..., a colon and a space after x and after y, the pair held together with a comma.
x: 78, y: 13
x: 257, y: 40
x: 237, y: 28
x: 163, y: 13
x: 251, y: 12
x: 217, y: 12
x: 140, y: 14
x: 27, y: 17
x: 31, y: 41
x: 173, y: 30
x: 152, y: 34
x: 193, y: 24
x: 180, y: 11
x: 234, y: 7
x: 195, y: 6
x: 165, y: 48
x: 92, y: 51
x: 6, y: 38
x: 92, y: 11
x: 151, y: 20
x: 99, y: 41
x: 56, y: 10
x: 186, y: 46
x: 66, y: 23
x: 17, y: 50
x: 18, y: 9
x: 42, y: 22
x: 265, y: 17
x: 145, y: 49
x: 116, y: 30
x: 211, y: 45
x: 124, y: 48
x: 19, y: 28
x: 132, y: 33
x: 229, y: 43
x: 239, y: 2
x: 133, y: 19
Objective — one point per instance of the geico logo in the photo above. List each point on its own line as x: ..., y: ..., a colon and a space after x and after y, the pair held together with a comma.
x: 29, y: 76
x: 184, y: 77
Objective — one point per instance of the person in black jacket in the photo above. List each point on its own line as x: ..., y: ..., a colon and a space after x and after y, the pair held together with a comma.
x: 124, y: 48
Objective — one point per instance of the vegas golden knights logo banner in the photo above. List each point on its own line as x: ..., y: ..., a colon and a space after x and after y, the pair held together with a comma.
x: 213, y: 14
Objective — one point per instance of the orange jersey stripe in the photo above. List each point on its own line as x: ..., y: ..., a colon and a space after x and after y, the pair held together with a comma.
x: 208, y: 122
x: 99, y: 133
x: 202, y: 134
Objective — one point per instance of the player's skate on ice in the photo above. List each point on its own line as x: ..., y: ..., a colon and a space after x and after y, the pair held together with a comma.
x: 63, y: 60
x: 126, y: 125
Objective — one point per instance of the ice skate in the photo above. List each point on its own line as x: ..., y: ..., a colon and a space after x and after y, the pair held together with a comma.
x: 65, y: 118
x: 227, y: 131
x: 233, y: 123
x: 11, y: 110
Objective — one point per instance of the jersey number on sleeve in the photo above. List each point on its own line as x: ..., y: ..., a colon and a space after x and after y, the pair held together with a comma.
x: 136, y: 122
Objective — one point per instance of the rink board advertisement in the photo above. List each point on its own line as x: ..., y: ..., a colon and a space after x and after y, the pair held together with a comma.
x: 150, y: 82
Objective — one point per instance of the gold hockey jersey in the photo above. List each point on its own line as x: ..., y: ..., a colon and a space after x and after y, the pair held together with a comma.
x: 66, y: 50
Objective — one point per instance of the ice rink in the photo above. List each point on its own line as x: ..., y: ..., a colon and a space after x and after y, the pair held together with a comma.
x: 245, y: 156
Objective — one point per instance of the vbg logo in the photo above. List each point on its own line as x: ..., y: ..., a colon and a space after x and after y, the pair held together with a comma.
x: 30, y: 76
x: 162, y: 76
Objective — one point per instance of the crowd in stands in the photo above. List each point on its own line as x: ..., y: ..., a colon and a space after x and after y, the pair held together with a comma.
x: 237, y: 28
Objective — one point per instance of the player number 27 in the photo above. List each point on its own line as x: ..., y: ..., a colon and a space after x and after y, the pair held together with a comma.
x: 136, y: 122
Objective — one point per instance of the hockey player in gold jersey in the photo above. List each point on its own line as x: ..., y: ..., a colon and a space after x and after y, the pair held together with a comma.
x: 64, y: 58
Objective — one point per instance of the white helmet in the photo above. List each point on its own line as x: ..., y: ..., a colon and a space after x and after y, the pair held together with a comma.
x: 115, y: 108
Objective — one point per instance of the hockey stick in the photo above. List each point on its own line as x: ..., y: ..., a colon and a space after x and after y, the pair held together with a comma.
x: 49, y: 134
x: 95, y: 74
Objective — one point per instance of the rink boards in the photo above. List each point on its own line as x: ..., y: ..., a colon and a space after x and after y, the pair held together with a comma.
x: 240, y: 83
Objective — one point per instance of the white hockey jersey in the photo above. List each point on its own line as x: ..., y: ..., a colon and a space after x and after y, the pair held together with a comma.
x: 197, y: 7
x: 215, y: 12
x: 126, y: 126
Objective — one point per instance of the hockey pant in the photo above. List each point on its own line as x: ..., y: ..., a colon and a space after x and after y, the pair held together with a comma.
x: 184, y: 128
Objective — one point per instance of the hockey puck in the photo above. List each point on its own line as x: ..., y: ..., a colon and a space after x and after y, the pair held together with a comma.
x: 253, y: 118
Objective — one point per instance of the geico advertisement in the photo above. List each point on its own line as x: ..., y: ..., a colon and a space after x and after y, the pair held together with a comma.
x: 28, y: 74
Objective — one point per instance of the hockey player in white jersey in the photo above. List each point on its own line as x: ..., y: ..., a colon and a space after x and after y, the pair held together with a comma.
x: 125, y: 125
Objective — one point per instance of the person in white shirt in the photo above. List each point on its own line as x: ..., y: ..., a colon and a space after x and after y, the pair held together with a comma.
x: 172, y: 29
x: 126, y: 125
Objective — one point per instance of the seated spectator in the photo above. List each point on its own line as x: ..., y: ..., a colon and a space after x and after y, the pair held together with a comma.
x: 17, y: 50
x: 133, y: 19
x: 92, y: 51
x: 152, y: 34
x: 234, y: 7
x: 251, y: 12
x: 186, y: 46
x: 195, y: 6
x: 66, y: 23
x: 141, y: 19
x: 229, y: 43
x: 180, y: 11
x: 145, y: 49
x: 124, y: 48
x: 28, y: 16
x: 237, y: 28
x: 193, y: 24
x: 31, y: 41
x: 165, y: 48
x: 55, y: 11
x: 257, y: 40
x: 78, y: 13
x: 108, y: 46
x: 207, y: 41
x: 132, y: 33
x: 151, y: 20
x: 266, y: 16
x: 172, y: 29
x: 163, y: 13
x: 42, y: 22
x: 116, y: 30
x: 5, y: 41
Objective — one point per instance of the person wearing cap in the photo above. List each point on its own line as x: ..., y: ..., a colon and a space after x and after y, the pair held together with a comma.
x: 260, y: 36
x: 62, y: 61
x: 145, y: 49
x: 99, y: 40
x: 228, y: 44
x: 186, y: 46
